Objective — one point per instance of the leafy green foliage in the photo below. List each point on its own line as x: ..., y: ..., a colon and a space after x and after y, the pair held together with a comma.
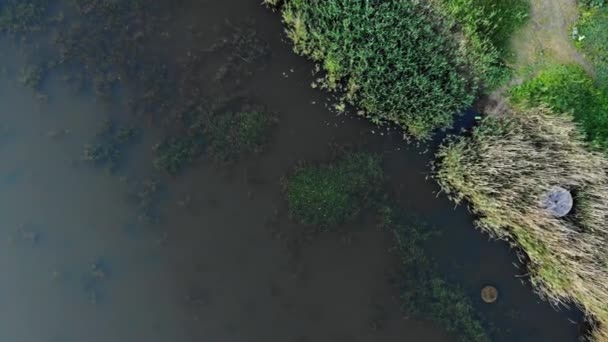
x: 568, y: 89
x: 424, y: 292
x: 328, y: 195
x: 23, y: 16
x: 488, y: 26
x: 593, y: 40
x: 393, y: 59
x: 231, y: 134
x: 110, y: 141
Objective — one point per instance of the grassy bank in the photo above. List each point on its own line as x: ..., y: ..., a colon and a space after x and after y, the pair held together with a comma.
x: 592, y: 37
x: 393, y: 60
x: 424, y: 63
x: 504, y: 168
x: 487, y: 26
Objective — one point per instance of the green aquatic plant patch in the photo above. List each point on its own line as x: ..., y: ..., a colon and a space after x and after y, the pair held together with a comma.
x: 231, y: 134
x: 504, y: 169
x: 568, y: 89
x: 395, y: 60
x: 329, y: 195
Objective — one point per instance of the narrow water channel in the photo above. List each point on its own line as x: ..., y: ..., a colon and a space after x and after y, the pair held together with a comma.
x: 220, y: 260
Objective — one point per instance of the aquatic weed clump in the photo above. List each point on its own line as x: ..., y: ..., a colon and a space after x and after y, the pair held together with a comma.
x: 232, y: 134
x: 503, y: 170
x: 395, y: 60
x: 329, y: 195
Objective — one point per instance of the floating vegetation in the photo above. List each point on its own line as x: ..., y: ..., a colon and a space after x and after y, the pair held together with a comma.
x: 110, y: 142
x: 329, y: 195
x: 174, y: 153
x: 424, y: 293
x: 232, y: 134
x: 504, y: 170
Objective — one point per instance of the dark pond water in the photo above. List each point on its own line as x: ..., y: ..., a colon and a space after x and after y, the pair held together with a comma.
x: 222, y: 261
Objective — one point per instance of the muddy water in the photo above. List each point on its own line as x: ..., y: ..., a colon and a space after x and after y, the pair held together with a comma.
x: 223, y: 262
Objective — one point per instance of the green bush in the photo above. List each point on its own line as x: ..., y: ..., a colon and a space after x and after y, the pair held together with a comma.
x: 568, y: 89
x: 329, y: 195
x: 488, y: 26
x: 592, y: 39
x: 395, y: 60
x: 424, y: 293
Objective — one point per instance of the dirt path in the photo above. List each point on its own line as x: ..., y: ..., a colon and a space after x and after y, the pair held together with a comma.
x: 545, y: 39
x: 547, y: 35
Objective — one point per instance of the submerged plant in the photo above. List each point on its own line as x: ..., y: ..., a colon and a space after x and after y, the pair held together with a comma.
x: 108, y: 148
x: 31, y: 76
x: 23, y: 16
x: 232, y: 134
x: 505, y: 168
x: 329, y: 195
x: 173, y: 154
x: 423, y: 291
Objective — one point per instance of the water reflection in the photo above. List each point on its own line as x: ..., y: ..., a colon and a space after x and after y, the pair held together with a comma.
x: 129, y: 253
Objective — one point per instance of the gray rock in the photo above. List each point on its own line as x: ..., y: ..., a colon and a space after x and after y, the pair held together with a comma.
x: 557, y: 202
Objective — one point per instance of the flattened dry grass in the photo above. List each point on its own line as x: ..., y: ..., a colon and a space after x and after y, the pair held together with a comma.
x: 503, y: 169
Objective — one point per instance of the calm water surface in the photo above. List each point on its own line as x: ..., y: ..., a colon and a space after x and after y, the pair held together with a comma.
x: 223, y: 262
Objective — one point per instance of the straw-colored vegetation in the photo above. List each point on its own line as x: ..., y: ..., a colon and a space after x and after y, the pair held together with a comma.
x: 504, y: 168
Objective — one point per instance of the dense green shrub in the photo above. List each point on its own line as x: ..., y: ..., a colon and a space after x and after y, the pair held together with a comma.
x: 592, y: 39
x: 328, y: 195
x: 395, y: 60
x: 488, y: 26
x: 424, y: 293
x: 568, y: 89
